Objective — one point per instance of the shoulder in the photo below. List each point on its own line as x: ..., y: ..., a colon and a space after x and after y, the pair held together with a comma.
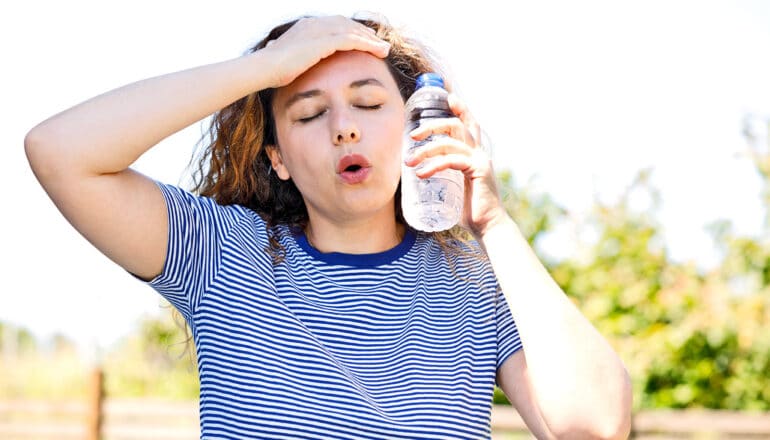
x: 186, y: 208
x: 177, y: 194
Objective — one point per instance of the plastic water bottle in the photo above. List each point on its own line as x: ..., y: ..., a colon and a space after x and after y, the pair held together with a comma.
x: 435, y: 203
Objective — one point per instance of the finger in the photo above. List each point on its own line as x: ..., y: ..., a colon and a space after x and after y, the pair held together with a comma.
x: 459, y: 162
x: 363, y: 31
x: 460, y: 109
x: 437, y: 146
x: 363, y: 27
x: 366, y: 43
x: 449, y: 126
x: 341, y: 33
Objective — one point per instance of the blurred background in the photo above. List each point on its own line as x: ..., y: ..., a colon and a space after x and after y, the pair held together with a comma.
x: 631, y: 142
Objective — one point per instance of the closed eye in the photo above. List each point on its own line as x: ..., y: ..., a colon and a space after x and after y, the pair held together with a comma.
x: 310, y: 118
x: 364, y: 107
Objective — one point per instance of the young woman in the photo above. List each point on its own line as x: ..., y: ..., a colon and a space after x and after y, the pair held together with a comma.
x: 315, y: 310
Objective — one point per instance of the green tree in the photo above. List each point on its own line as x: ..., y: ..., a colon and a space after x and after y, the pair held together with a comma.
x: 156, y: 361
x: 689, y: 339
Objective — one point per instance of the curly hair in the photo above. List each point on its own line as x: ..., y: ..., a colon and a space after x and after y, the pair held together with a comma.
x: 234, y: 167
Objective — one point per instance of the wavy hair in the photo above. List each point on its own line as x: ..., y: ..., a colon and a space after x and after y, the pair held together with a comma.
x: 234, y: 167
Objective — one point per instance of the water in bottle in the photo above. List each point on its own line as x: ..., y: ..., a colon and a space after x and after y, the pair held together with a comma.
x: 434, y: 203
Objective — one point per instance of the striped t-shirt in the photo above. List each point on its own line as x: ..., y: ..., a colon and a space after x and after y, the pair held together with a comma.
x: 398, y: 344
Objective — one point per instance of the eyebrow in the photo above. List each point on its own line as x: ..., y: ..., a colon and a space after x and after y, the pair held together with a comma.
x: 315, y: 92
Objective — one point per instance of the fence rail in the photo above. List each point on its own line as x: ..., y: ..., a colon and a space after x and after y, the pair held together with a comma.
x: 124, y: 419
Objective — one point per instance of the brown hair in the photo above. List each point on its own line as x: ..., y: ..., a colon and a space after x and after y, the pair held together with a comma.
x: 234, y: 167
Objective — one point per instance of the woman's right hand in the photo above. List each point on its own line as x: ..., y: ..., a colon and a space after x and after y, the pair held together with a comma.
x: 82, y: 155
x: 312, y: 39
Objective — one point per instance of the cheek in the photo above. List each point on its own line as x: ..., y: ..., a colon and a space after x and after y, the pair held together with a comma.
x: 391, y: 153
x: 306, y: 167
x: 296, y: 146
x: 395, y: 138
x: 391, y: 131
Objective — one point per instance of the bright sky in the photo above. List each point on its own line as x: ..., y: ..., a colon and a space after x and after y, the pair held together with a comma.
x: 581, y: 95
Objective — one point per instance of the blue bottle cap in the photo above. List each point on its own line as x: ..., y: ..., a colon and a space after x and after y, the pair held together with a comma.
x: 429, y: 79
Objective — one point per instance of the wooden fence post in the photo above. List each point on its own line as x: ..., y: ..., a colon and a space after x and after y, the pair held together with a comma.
x: 95, y: 404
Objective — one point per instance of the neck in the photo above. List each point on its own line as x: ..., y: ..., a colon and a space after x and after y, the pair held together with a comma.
x: 362, y: 237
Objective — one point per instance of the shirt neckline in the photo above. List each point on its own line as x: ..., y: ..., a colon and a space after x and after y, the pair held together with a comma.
x: 357, y: 260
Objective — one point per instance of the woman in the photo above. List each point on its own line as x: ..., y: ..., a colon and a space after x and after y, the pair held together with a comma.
x: 316, y: 312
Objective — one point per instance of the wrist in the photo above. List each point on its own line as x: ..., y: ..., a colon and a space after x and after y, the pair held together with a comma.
x: 499, y: 221
x: 260, y: 70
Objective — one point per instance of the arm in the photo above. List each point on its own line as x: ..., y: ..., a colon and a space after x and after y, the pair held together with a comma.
x: 82, y: 156
x: 568, y: 379
x: 567, y: 382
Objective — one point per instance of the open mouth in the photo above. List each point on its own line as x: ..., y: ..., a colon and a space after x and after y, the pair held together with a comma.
x: 351, y: 163
x: 353, y: 168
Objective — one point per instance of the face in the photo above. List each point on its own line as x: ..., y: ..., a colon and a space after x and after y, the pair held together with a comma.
x: 339, y: 130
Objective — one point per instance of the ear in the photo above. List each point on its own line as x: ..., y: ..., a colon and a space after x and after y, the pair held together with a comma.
x: 274, y: 153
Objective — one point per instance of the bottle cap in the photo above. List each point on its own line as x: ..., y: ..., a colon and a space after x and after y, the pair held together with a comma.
x: 429, y: 79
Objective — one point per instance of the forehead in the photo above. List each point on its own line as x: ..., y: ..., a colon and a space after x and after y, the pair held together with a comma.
x: 338, y: 71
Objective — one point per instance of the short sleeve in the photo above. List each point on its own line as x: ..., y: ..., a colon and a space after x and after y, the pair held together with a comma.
x: 196, y: 229
x: 508, y: 341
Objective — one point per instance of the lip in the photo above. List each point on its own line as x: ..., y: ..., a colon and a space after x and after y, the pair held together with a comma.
x: 357, y: 176
x: 352, y: 159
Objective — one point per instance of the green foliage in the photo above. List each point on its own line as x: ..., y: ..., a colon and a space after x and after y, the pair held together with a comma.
x: 16, y: 339
x: 693, y: 374
x: 156, y: 362
x: 689, y: 339
x: 498, y: 398
x: 151, y: 363
x: 28, y: 370
x: 534, y: 213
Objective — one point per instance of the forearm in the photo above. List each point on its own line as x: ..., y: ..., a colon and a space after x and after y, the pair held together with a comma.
x: 578, y: 380
x: 109, y: 132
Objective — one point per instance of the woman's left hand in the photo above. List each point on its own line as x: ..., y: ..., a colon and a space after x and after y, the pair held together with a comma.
x: 460, y: 149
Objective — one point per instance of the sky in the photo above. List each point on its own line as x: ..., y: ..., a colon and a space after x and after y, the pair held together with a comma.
x: 576, y: 98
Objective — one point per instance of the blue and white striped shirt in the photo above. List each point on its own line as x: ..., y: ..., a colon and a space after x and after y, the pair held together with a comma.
x: 386, y: 345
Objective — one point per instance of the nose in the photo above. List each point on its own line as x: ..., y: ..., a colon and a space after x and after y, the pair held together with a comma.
x: 344, y: 130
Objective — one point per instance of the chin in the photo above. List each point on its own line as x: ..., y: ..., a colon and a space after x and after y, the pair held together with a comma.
x: 363, y: 205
